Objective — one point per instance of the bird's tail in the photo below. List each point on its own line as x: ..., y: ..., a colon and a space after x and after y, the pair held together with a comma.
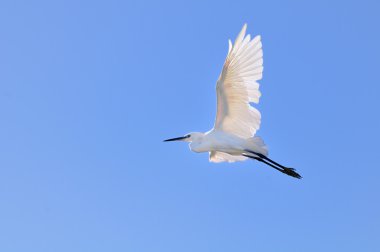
x: 257, y: 144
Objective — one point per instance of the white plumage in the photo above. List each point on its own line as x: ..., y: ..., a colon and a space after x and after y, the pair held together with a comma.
x: 237, y: 87
x: 236, y: 123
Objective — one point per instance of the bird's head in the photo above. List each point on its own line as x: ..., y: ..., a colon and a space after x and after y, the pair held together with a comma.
x: 190, y: 137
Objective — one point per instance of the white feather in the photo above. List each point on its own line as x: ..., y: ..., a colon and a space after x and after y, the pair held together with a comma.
x: 237, y: 87
x: 218, y: 157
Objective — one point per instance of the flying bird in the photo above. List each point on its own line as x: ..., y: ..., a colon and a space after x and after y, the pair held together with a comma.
x: 233, y: 136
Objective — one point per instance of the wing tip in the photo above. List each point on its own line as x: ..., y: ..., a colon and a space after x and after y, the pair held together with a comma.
x: 241, y: 35
x: 244, y: 29
x: 229, y: 45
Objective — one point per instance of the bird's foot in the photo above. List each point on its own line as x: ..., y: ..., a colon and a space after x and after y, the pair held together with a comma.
x: 291, y: 172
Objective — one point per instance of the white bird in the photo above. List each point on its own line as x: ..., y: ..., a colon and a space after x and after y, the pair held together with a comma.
x: 233, y: 136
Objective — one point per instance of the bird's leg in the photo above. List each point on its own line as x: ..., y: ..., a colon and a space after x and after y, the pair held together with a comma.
x: 265, y: 162
x: 288, y: 171
x: 266, y: 158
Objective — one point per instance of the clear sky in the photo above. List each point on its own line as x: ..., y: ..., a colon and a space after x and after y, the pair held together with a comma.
x: 89, y: 89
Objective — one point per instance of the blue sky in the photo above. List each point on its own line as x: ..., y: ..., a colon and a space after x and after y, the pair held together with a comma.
x: 89, y: 89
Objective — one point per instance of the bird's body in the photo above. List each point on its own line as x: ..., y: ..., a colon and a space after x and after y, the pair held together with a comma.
x: 216, y: 140
x: 220, y: 141
x: 233, y: 135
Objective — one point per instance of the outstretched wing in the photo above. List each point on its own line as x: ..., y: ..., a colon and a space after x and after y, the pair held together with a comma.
x: 217, y: 157
x: 237, y: 86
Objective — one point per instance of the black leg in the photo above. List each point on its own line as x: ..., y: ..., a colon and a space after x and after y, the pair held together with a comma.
x: 288, y: 171
x: 266, y: 158
x: 265, y: 162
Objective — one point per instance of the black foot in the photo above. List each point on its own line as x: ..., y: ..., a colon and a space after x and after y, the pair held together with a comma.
x: 291, y: 172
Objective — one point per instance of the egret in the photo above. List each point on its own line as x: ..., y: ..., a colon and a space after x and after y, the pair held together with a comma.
x: 233, y: 136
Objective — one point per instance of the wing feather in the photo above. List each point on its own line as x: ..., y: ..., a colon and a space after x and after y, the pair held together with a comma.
x: 217, y: 157
x: 237, y: 86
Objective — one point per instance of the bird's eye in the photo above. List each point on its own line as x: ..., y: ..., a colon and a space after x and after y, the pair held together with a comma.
x: 187, y: 136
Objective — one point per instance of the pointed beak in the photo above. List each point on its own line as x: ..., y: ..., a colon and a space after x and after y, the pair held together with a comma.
x: 176, y: 139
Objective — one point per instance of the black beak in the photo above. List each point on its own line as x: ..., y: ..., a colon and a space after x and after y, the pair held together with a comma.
x: 176, y: 139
